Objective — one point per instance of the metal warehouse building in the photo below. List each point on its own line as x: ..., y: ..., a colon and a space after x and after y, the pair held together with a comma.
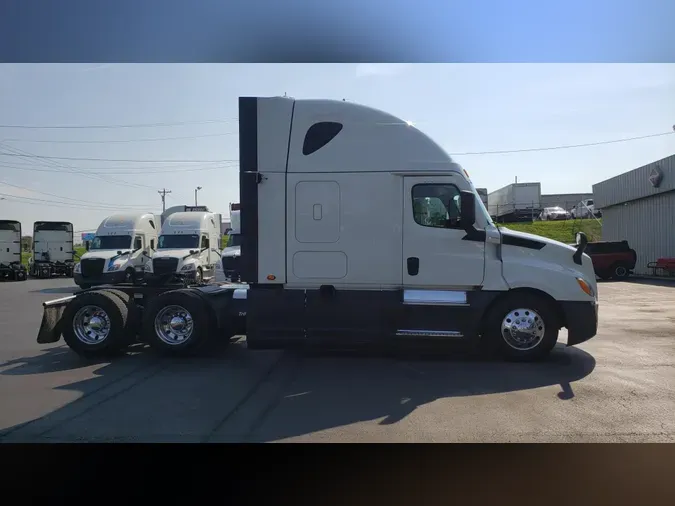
x: 639, y: 206
x: 565, y: 200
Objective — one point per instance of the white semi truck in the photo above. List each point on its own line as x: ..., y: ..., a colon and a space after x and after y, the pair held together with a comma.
x: 231, y: 255
x: 53, y: 250
x: 11, y: 267
x: 516, y: 202
x: 123, y: 244
x: 339, y: 248
x: 188, y: 248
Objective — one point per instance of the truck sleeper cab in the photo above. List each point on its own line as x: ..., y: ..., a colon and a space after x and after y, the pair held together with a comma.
x: 123, y: 244
x: 11, y: 267
x: 356, y: 229
x: 53, y: 250
x: 188, y: 247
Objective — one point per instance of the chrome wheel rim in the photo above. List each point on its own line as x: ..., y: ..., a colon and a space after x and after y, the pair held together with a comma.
x: 91, y: 325
x: 174, y: 325
x: 523, y: 329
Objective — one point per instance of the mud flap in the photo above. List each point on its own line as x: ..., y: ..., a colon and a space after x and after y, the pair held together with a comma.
x: 50, y: 328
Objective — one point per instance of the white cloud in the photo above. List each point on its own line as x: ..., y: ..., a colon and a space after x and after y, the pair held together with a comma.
x: 381, y: 69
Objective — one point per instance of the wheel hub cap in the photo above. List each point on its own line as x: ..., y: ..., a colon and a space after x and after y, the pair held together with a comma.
x: 523, y: 329
x: 91, y: 325
x: 174, y: 325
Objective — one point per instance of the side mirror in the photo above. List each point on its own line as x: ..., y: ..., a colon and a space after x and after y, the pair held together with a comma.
x: 468, y: 209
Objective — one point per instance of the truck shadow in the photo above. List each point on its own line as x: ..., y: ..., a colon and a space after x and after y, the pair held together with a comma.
x: 241, y: 395
x: 64, y: 289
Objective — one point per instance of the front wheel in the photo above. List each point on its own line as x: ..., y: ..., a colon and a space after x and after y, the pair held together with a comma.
x: 522, y: 327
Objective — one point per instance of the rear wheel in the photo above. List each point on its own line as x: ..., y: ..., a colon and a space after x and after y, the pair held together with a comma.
x: 95, y: 324
x: 620, y: 271
x: 177, y: 323
x: 522, y: 327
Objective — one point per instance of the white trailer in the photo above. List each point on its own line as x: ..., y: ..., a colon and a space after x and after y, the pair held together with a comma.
x: 53, y: 250
x: 340, y: 248
x: 11, y: 267
x: 516, y: 202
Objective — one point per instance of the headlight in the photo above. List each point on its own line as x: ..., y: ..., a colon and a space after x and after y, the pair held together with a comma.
x: 586, y: 287
x: 188, y: 267
x: 78, y: 268
x: 116, y: 266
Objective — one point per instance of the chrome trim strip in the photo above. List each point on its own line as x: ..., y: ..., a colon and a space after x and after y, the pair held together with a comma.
x: 428, y: 333
x: 57, y: 302
x: 240, y: 293
x: 435, y: 297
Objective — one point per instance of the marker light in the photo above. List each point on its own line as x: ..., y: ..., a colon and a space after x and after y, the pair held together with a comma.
x: 586, y: 287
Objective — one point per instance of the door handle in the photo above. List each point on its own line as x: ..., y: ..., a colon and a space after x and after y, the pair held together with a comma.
x: 413, y: 266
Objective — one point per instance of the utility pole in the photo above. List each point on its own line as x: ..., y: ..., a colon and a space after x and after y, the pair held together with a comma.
x: 163, y: 192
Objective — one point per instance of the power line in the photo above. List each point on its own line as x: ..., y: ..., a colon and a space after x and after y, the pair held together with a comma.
x: 567, y: 146
x: 52, y: 203
x: 69, y: 198
x: 136, y: 125
x: 114, y: 159
x: 62, y: 166
x: 127, y: 171
x: 524, y: 150
x: 156, y: 139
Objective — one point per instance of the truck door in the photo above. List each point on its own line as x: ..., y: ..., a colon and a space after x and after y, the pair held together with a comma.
x: 441, y: 266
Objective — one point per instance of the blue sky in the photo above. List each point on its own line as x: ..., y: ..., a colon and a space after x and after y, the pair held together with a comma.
x: 464, y: 107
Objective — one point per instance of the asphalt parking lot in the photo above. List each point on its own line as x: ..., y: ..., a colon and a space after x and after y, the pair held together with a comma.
x: 618, y: 387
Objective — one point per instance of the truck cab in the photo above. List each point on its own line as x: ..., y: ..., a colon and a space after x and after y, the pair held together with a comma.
x: 188, y: 247
x: 358, y: 228
x: 53, y: 251
x: 11, y: 267
x: 123, y: 245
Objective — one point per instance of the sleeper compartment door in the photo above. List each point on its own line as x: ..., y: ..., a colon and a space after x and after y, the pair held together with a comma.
x: 441, y: 268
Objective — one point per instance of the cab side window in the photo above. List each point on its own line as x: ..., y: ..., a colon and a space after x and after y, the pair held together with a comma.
x: 138, y: 242
x: 436, y: 205
x: 205, y: 242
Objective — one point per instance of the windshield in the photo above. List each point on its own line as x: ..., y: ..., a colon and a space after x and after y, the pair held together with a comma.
x: 53, y: 226
x: 10, y: 225
x: 233, y: 240
x: 178, y: 241
x: 114, y: 242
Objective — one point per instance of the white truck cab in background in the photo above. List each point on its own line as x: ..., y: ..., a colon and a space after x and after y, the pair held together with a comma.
x: 53, y: 249
x: 123, y: 244
x: 232, y: 251
x: 188, y: 246
x: 11, y: 267
x: 358, y: 228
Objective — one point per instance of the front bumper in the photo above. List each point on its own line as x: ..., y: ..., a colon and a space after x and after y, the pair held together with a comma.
x: 581, y: 319
x: 106, y: 278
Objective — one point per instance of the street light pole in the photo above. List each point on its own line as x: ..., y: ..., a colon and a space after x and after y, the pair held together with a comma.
x: 196, y: 190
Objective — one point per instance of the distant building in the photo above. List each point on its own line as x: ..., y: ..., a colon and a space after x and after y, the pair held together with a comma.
x: 565, y: 200
x: 639, y: 206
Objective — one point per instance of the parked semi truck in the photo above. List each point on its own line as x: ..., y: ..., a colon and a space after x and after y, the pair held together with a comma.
x: 231, y: 254
x: 516, y: 202
x: 11, y: 267
x: 123, y: 244
x: 53, y: 250
x: 338, y: 249
x: 188, y: 248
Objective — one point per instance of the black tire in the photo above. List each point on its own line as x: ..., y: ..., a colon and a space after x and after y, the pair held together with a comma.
x: 620, y: 271
x: 117, y: 313
x: 133, y: 324
x: 605, y: 275
x: 201, y: 320
x: 496, y: 342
